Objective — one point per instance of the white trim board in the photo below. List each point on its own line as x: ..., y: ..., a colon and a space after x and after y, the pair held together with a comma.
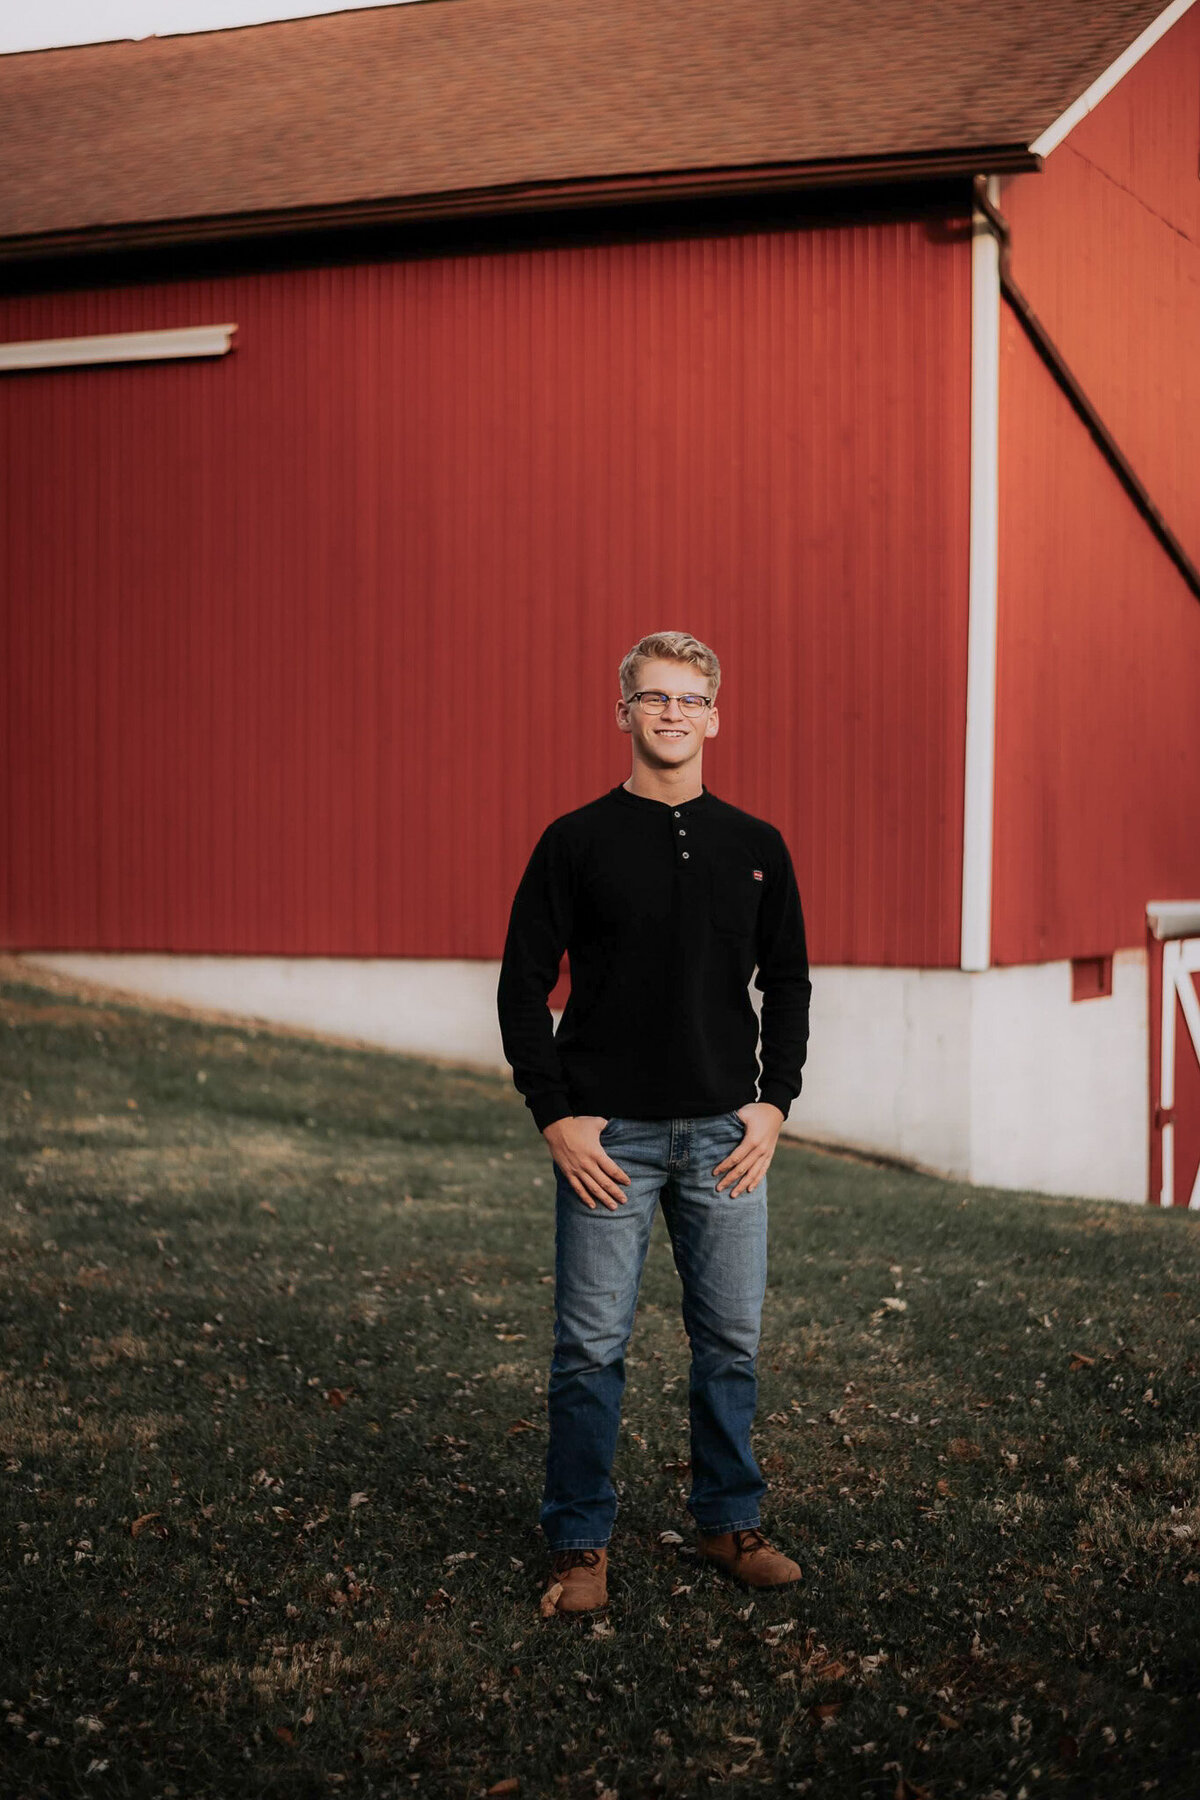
x: 1104, y: 84
x: 982, y: 596
x: 1174, y: 918
x: 116, y: 347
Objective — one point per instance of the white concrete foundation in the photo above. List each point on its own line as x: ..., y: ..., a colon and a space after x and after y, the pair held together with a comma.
x: 433, y: 1008
x: 1060, y: 1091
x: 996, y: 1077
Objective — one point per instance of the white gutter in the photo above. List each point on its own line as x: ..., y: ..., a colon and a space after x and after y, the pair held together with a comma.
x: 117, y: 347
x: 1104, y: 84
x: 982, y: 595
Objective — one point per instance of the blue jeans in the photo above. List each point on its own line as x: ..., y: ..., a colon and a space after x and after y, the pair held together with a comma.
x: 720, y: 1248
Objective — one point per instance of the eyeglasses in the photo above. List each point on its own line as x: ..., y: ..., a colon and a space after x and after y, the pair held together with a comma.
x: 654, y: 702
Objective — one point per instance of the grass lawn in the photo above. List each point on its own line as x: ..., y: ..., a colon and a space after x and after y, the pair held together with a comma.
x: 274, y: 1332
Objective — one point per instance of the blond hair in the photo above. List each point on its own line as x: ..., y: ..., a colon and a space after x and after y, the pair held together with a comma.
x: 673, y: 646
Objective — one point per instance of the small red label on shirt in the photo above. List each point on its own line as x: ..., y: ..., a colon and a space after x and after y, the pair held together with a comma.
x: 758, y: 874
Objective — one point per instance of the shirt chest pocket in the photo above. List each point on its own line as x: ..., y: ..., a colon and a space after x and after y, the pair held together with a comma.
x: 736, y: 894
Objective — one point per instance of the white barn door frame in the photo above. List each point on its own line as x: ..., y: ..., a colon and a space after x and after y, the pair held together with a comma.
x: 1174, y: 963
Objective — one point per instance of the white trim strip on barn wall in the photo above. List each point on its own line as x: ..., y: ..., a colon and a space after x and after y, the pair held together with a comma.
x: 980, y: 759
x: 1104, y: 84
x: 117, y: 347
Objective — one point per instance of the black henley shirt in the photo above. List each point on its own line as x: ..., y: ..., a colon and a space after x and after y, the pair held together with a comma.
x: 665, y: 912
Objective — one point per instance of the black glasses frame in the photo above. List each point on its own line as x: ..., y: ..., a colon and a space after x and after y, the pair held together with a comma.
x: 657, y: 693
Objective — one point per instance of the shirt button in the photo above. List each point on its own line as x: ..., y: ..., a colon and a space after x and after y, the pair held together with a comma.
x: 682, y: 832
x: 685, y: 856
x: 676, y: 815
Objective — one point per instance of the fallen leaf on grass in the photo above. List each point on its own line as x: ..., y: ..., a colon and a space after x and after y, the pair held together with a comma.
x: 265, y: 1206
x: 669, y: 1537
x: 284, y: 1735
x: 336, y: 1398
x: 892, y: 1304
x: 942, y: 1486
x: 519, y: 1425
x: 948, y: 1722
x: 910, y: 1790
x: 826, y: 1713
x: 963, y: 1450
x: 139, y: 1525
x: 363, y: 1499
x: 1080, y: 1361
x: 510, y: 1785
x: 549, y: 1601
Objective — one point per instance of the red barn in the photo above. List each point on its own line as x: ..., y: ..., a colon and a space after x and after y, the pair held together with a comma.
x: 369, y: 383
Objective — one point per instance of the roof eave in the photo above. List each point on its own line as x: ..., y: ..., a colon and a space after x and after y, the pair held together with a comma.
x: 526, y: 197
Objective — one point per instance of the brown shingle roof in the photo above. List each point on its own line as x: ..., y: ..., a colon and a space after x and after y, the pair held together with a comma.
x: 457, y: 96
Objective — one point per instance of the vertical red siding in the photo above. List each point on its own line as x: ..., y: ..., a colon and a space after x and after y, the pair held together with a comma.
x: 305, y: 646
x: 1098, y: 753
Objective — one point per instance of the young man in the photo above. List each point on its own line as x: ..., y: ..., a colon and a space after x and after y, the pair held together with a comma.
x: 666, y: 899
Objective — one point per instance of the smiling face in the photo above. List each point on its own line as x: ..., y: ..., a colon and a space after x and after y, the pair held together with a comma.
x: 671, y: 739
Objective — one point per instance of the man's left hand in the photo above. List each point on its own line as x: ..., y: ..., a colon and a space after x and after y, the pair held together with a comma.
x: 746, y: 1166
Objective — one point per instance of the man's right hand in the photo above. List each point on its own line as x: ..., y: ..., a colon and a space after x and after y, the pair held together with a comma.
x: 575, y: 1146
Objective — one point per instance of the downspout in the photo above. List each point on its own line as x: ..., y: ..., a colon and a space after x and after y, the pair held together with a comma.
x: 1047, y: 349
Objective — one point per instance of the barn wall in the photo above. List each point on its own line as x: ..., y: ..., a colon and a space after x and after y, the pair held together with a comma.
x: 304, y: 647
x: 1097, y: 747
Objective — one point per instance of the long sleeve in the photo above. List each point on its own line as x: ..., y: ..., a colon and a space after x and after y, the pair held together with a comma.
x: 538, y: 929
x: 783, y: 981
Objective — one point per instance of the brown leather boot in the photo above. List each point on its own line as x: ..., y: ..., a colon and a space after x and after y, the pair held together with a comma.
x: 750, y: 1559
x: 578, y: 1582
